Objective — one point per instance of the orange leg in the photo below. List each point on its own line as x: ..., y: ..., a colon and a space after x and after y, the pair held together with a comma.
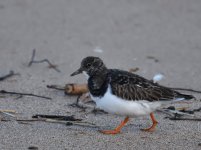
x: 152, y: 128
x: 117, y: 129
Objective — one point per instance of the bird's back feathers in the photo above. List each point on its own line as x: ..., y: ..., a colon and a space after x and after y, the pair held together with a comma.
x: 130, y: 86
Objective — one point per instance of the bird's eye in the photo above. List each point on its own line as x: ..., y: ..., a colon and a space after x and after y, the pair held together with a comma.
x: 88, y: 65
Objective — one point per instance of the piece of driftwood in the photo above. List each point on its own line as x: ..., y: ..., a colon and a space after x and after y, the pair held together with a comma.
x: 24, y: 94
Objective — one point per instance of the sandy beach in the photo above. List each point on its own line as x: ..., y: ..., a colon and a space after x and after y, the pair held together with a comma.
x: 157, y: 36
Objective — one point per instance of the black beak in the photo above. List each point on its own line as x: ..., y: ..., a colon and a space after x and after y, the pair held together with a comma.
x: 76, y: 72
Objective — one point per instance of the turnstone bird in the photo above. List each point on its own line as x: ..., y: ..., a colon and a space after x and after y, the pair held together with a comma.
x: 123, y: 93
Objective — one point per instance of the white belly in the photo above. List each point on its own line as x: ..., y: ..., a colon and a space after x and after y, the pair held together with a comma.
x: 115, y: 105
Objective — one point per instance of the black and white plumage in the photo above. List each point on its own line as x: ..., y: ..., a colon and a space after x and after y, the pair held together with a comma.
x: 124, y: 93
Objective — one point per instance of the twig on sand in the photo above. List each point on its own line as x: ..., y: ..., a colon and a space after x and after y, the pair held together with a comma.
x: 10, y: 74
x: 56, y: 87
x: 64, y: 118
x: 190, y: 119
x: 41, y: 61
x: 67, y: 120
x: 23, y: 94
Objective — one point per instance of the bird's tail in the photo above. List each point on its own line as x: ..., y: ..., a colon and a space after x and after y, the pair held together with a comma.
x: 181, y: 97
x: 178, y: 98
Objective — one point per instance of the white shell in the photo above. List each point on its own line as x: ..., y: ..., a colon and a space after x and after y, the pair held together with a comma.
x: 98, y: 50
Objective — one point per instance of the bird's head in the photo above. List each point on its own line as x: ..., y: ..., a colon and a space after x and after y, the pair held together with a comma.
x: 90, y: 66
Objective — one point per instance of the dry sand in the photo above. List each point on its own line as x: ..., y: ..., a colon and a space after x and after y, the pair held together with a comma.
x: 65, y: 31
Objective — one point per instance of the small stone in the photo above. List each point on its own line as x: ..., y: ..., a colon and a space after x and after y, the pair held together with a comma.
x: 33, y: 147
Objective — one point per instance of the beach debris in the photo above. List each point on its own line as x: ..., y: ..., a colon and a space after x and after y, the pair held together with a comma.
x: 190, y: 119
x: 173, y: 112
x: 179, y: 113
x: 33, y: 148
x: 7, y: 113
x: 10, y: 74
x: 158, y: 77
x: 190, y: 111
x: 23, y: 94
x: 76, y: 89
x: 98, y: 50
x: 42, y: 61
x: 57, y: 117
x: 67, y: 120
x: 132, y: 70
x: 153, y: 58
x: 56, y: 87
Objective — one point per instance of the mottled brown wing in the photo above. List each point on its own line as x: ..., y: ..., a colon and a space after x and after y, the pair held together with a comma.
x: 133, y: 87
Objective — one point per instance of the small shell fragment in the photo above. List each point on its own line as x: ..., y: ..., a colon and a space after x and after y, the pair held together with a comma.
x: 98, y: 50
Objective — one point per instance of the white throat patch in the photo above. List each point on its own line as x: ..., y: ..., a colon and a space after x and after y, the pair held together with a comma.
x: 87, y: 76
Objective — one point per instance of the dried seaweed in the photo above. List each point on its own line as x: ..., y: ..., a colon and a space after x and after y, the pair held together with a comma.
x: 42, y: 61
x: 23, y: 94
